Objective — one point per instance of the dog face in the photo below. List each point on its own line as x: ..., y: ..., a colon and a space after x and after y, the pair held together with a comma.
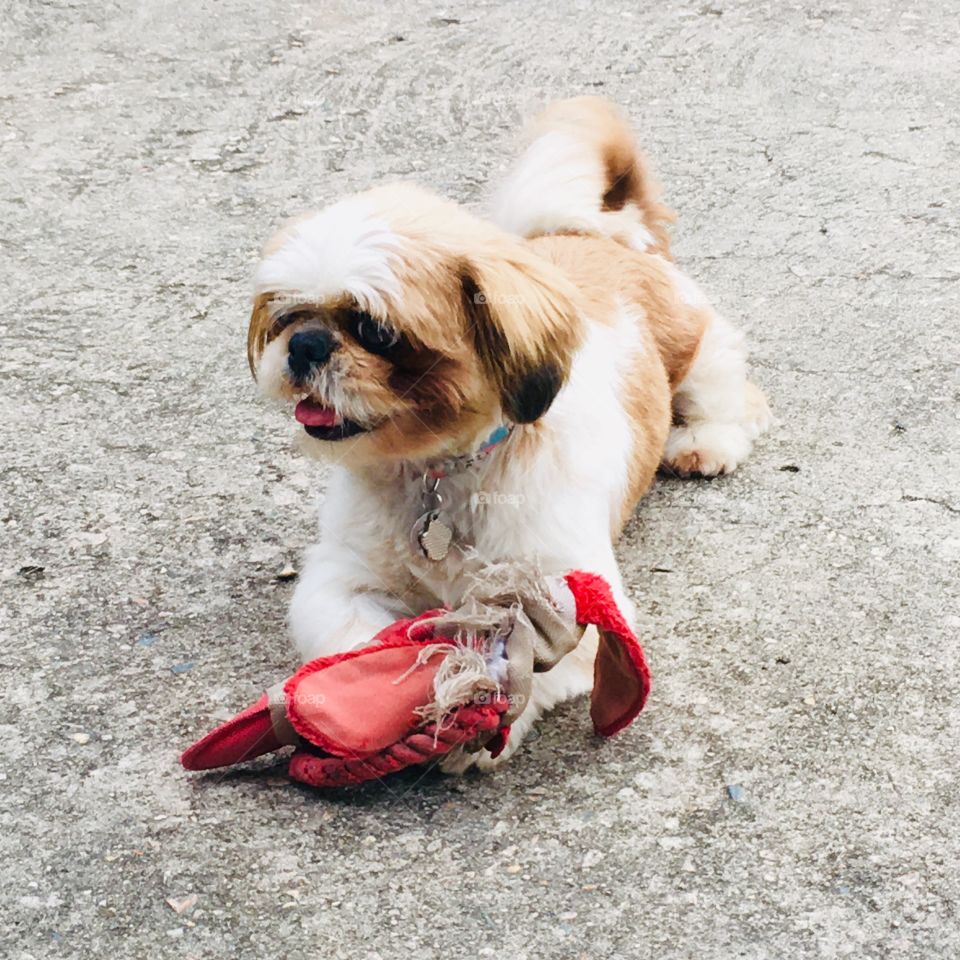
x: 403, y: 328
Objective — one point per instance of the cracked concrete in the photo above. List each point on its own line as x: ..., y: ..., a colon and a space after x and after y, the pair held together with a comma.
x: 792, y: 789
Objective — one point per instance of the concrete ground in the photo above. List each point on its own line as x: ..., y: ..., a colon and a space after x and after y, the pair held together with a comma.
x: 792, y: 789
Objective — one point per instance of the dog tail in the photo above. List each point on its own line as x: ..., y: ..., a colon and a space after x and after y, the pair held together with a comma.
x: 581, y: 172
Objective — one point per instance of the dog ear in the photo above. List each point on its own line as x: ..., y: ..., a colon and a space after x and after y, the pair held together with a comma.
x: 524, y: 325
x: 258, y: 333
x: 261, y: 329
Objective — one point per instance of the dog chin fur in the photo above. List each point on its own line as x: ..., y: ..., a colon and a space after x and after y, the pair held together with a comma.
x: 563, y: 315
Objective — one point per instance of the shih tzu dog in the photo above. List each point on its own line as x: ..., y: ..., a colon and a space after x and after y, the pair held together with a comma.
x: 493, y: 390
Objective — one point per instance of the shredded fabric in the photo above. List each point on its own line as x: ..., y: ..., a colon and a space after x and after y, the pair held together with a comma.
x: 476, y: 631
x: 474, y: 621
x: 493, y: 653
x: 491, y: 646
x: 462, y: 678
x: 508, y: 583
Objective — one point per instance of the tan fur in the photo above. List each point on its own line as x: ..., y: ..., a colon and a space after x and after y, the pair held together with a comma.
x: 607, y: 273
x: 259, y: 329
x: 603, y: 270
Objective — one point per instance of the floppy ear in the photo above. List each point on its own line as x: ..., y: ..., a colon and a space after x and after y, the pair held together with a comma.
x: 261, y: 323
x: 525, y: 325
x: 258, y: 333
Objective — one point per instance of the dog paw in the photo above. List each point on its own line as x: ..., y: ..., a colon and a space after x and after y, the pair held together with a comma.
x: 459, y: 761
x: 706, y: 449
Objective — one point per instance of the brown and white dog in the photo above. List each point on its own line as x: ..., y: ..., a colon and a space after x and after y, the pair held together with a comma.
x: 408, y: 332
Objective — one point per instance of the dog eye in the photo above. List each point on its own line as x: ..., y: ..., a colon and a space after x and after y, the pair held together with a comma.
x: 373, y: 335
x: 284, y: 320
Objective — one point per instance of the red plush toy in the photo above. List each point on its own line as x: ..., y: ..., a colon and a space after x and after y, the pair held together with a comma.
x: 442, y: 681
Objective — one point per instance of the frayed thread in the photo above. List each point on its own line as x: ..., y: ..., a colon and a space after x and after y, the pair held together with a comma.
x: 423, y: 655
x: 476, y: 631
x: 462, y: 678
x: 474, y: 621
x: 507, y: 583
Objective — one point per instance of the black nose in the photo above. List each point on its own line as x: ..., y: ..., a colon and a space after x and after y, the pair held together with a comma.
x: 309, y: 349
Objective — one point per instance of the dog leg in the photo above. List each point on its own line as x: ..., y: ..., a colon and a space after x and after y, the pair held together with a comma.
x: 720, y: 412
x: 338, y: 605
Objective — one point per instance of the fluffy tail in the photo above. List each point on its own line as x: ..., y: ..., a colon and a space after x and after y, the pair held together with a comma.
x: 581, y: 172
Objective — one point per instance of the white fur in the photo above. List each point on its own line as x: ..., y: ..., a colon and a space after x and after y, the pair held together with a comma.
x: 344, y: 248
x: 722, y: 412
x: 555, y: 186
x: 271, y: 368
x: 688, y: 289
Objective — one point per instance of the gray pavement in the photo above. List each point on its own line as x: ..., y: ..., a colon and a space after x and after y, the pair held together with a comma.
x: 792, y: 789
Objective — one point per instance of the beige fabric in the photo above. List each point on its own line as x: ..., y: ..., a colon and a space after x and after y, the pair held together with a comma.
x: 277, y: 702
x: 513, y: 612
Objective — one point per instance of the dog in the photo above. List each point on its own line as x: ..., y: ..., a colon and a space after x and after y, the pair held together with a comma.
x: 493, y: 390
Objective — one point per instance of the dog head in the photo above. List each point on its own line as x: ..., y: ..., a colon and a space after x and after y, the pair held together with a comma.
x: 404, y: 328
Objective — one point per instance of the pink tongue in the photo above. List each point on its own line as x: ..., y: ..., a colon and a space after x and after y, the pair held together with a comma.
x: 311, y: 414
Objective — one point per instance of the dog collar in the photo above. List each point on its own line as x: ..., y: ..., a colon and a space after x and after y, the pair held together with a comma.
x: 456, y: 464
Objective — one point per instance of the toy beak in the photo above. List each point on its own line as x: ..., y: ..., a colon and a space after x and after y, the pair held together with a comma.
x: 261, y: 728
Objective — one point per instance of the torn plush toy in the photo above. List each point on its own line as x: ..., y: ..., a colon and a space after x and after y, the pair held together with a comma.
x: 443, y: 681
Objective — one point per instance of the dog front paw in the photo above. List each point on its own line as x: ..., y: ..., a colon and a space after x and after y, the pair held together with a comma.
x: 459, y: 760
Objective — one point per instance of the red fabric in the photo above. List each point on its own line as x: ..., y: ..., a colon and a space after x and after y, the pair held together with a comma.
x: 335, y: 703
x: 419, y: 746
x: 329, y: 700
x: 249, y: 734
x: 621, y: 677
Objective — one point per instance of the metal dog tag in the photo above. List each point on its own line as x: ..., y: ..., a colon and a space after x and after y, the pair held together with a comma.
x: 434, y: 536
